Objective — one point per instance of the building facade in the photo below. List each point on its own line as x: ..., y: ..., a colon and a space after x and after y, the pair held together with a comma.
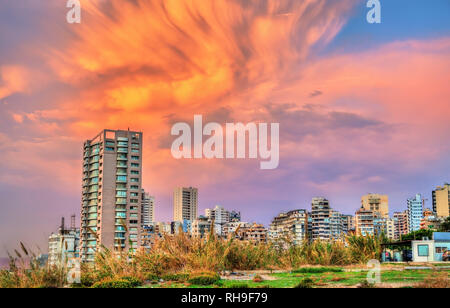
x: 441, y: 201
x: 111, y: 192
x: 63, y: 245
x: 320, y: 219
x: 401, y: 225
x: 415, y: 212
x: 185, y: 204
x: 147, y: 211
x: 290, y: 227
x: 376, y: 203
x: 364, y: 220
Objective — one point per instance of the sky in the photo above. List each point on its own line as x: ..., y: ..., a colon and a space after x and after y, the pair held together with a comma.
x: 363, y: 108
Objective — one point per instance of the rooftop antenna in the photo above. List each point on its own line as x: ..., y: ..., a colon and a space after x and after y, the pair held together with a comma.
x: 62, y: 225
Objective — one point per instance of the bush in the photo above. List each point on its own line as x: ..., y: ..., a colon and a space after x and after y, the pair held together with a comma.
x: 204, y: 279
x: 113, y: 284
x: 306, y: 283
x: 317, y: 270
x: 240, y: 286
x: 176, y: 277
x: 151, y: 278
x: 258, y: 278
x: 135, y: 282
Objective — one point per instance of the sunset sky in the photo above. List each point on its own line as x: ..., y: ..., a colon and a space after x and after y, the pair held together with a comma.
x: 362, y: 107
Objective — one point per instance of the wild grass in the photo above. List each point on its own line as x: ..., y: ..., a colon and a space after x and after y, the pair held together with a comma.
x: 183, y: 255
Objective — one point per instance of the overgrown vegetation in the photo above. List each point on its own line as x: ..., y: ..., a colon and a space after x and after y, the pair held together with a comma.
x: 179, y: 258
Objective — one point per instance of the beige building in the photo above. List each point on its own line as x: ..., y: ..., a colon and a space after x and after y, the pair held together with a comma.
x: 185, y: 204
x: 376, y: 203
x: 290, y: 227
x: 111, y: 192
x: 364, y: 220
x: 441, y: 201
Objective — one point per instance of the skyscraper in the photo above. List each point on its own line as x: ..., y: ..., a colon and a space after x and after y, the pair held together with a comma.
x: 147, y: 211
x: 415, y: 212
x: 111, y: 194
x: 376, y: 203
x: 320, y: 214
x: 185, y: 204
x: 441, y: 201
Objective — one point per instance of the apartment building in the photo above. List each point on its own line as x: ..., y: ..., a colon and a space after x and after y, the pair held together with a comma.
x: 63, y: 245
x: 415, y: 212
x: 229, y: 229
x: 201, y: 227
x: 290, y: 227
x: 254, y: 233
x: 219, y: 216
x: 441, y: 201
x: 336, y: 228
x: 348, y: 224
x: 111, y: 192
x: 364, y: 220
x: 320, y: 224
x: 401, y: 226
x: 185, y: 204
x: 147, y: 211
x: 376, y: 203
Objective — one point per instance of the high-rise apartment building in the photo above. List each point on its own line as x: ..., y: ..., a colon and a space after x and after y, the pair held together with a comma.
x: 401, y: 226
x: 415, y: 212
x: 290, y: 227
x: 320, y: 214
x: 336, y: 227
x: 111, y: 192
x: 185, y: 204
x: 441, y: 201
x: 376, y: 203
x: 147, y: 210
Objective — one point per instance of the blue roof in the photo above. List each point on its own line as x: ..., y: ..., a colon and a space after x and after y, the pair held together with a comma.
x: 441, y: 236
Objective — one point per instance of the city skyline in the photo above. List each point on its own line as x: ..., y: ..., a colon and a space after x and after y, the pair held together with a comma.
x: 363, y: 108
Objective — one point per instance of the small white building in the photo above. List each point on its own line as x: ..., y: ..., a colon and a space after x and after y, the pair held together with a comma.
x: 431, y: 250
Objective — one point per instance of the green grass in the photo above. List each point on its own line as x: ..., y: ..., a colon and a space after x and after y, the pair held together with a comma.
x: 321, y: 279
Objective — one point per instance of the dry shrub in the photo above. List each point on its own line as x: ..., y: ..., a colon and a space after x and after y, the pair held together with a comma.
x: 439, y: 281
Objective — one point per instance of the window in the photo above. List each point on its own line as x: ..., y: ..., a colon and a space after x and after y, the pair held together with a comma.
x: 134, y: 157
x: 135, y: 144
x: 134, y: 165
x: 135, y: 150
x: 134, y: 187
x: 134, y: 201
x: 122, y: 143
x: 110, y: 149
x: 134, y: 172
x: 134, y: 194
x: 121, y: 178
x: 121, y: 194
x: 110, y: 143
x: 423, y: 250
x: 134, y: 180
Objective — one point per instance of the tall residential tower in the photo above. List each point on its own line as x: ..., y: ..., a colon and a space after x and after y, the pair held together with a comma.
x: 111, y: 192
x: 185, y: 204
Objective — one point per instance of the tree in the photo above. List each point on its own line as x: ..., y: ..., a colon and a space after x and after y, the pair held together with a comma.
x: 445, y: 226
